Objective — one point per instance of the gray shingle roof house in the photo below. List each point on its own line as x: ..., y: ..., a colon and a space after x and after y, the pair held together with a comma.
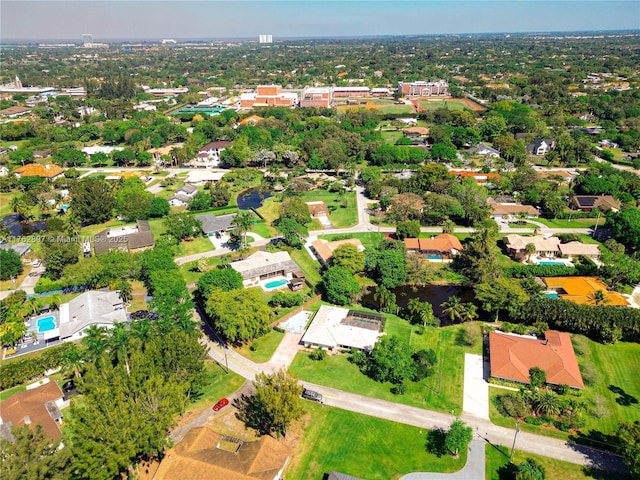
x: 540, y: 146
x: 264, y: 265
x: 213, y: 224
x: 129, y: 238
x: 484, y: 150
x: 341, y: 476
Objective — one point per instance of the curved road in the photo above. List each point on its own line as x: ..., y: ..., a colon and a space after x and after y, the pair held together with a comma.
x: 428, y: 419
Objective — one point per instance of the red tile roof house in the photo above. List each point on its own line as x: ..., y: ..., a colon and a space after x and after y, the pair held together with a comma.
x: 445, y: 246
x: 513, y: 355
x: 35, y: 406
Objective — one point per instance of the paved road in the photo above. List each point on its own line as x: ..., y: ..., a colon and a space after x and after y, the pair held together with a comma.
x: 418, y: 417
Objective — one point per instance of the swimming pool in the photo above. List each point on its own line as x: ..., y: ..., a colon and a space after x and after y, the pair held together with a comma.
x: 551, y: 295
x: 552, y: 262
x: 434, y: 257
x: 275, y: 284
x: 45, y: 324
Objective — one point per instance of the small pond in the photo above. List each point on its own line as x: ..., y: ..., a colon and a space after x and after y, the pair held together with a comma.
x: 434, y: 294
x: 252, y: 198
x: 17, y: 226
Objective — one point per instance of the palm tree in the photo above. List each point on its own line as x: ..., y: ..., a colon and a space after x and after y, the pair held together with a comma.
x: 243, y: 221
x: 548, y: 403
x: 385, y: 297
x: 453, y: 308
x: 54, y: 302
x: 470, y: 312
x: 448, y: 226
x: 529, y: 249
x: 72, y: 359
x: 598, y: 298
x: 124, y: 290
x: 141, y: 329
x: 119, y: 344
x: 95, y: 340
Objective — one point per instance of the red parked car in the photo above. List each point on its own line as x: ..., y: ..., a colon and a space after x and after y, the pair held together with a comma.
x: 223, y: 402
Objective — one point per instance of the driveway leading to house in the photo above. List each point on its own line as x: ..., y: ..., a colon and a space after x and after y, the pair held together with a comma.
x: 473, y: 469
x: 286, y: 352
x: 475, y: 400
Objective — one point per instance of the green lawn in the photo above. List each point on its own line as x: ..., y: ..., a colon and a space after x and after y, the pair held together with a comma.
x: 612, y: 393
x: 393, y: 134
x: 263, y: 229
x: 7, y: 393
x: 219, y: 384
x: 196, y: 245
x: 369, y: 239
x: 264, y: 347
x: 442, y: 391
x: 436, y: 104
x: 566, y: 223
x: 342, y: 216
x: 310, y: 266
x: 497, y: 457
x: 349, y: 442
x: 5, y: 202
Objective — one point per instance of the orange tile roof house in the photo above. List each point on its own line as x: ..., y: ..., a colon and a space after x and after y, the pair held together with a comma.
x: 37, y: 170
x: 324, y: 250
x: 35, y: 406
x: 317, y: 209
x: 444, y: 245
x: 579, y: 289
x: 513, y: 355
x: 199, y: 457
x: 500, y: 209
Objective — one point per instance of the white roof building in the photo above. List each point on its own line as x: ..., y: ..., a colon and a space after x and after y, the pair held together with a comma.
x: 343, y: 329
x: 201, y: 176
x: 264, y: 265
x: 100, y: 149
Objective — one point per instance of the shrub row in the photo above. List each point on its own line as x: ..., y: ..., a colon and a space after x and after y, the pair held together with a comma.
x: 23, y: 370
x: 603, y: 323
x: 523, y: 271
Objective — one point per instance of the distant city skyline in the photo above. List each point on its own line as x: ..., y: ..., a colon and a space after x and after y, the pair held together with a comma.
x: 25, y: 20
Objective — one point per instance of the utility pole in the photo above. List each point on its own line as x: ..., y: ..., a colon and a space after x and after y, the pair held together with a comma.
x: 514, y: 439
x: 597, y: 221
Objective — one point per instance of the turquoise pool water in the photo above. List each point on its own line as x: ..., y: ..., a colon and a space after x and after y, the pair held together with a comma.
x: 276, y: 284
x: 434, y: 257
x: 45, y: 324
x: 551, y: 262
x: 552, y: 295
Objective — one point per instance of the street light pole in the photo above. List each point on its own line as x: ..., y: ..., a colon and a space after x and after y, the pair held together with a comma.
x: 513, y: 447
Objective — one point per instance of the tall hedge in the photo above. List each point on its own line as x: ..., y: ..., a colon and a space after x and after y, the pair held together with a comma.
x: 523, y: 271
x: 19, y: 371
x: 602, y: 323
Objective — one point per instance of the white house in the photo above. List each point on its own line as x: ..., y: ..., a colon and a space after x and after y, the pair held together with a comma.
x: 540, y: 146
x: 343, y: 329
x: 183, y: 195
x: 209, y: 155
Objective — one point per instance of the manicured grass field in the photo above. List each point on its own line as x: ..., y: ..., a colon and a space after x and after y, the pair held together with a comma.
x: 436, y: 104
x: 368, y: 239
x: 612, y: 393
x: 310, y: 266
x: 219, y: 384
x: 573, y: 223
x: 442, y: 391
x: 497, y: 457
x: 264, y: 347
x: 362, y: 446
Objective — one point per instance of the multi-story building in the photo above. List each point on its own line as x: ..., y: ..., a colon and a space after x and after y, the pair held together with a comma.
x: 316, y: 97
x: 268, y: 95
x: 351, y: 91
x: 265, y: 38
x: 424, y: 89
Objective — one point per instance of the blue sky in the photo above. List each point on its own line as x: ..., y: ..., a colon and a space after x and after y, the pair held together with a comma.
x: 152, y: 19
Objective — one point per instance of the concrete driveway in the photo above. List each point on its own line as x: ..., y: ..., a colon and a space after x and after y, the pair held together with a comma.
x: 473, y: 469
x: 475, y: 400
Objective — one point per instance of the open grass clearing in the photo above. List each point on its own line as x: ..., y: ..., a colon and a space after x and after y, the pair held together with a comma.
x: 345, y: 213
x: 498, y: 456
x: 339, y: 440
x: 442, y: 391
x: 448, y: 104
x: 369, y: 239
x: 5, y: 202
x: 10, y: 391
x: 263, y: 347
x: 196, y: 245
x: 310, y: 266
x: 219, y: 384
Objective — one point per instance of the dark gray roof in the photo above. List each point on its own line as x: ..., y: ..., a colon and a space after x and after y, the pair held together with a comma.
x: 53, y: 410
x: 102, y: 243
x: 143, y: 226
x: 533, y: 146
x: 212, y: 224
x: 5, y: 432
x: 341, y: 476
